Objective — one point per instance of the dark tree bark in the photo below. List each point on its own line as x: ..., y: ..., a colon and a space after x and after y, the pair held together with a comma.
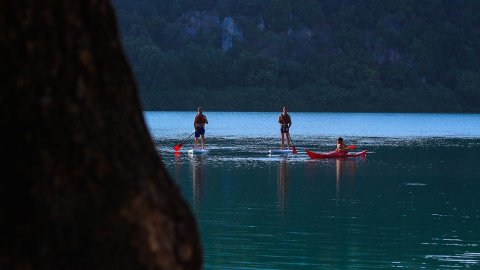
x: 82, y: 186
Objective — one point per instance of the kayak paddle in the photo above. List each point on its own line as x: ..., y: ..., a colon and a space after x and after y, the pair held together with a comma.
x: 177, y: 147
x: 351, y: 147
x: 293, y: 146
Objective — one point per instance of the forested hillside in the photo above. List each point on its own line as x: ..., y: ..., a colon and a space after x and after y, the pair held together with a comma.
x: 312, y: 55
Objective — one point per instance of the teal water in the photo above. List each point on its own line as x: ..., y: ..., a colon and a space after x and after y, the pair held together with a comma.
x: 412, y: 203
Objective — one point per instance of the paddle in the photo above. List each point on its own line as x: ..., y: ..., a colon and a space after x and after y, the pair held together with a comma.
x: 177, y: 147
x: 293, y: 146
x: 350, y: 147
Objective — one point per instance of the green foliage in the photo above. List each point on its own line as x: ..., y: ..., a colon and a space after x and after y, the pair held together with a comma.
x: 314, y: 55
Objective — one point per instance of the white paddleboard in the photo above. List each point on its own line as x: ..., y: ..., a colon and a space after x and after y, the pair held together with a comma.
x: 197, y: 151
x: 280, y: 152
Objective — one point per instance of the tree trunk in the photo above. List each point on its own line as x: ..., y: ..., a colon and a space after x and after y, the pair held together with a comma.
x: 82, y: 186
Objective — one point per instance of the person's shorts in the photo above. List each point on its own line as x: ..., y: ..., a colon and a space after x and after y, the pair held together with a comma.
x: 199, y: 131
x: 284, y: 129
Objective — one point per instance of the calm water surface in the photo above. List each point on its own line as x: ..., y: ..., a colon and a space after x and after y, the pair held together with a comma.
x: 412, y: 203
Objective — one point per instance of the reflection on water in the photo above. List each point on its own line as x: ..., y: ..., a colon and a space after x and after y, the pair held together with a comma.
x: 345, y: 172
x: 282, y: 182
x: 177, y: 159
x: 198, y: 176
x: 411, y: 205
x: 471, y: 260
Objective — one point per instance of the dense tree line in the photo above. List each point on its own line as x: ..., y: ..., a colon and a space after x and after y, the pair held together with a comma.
x: 313, y: 55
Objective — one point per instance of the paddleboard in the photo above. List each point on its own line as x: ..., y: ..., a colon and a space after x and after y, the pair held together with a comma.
x: 280, y: 152
x: 335, y: 154
x: 197, y: 151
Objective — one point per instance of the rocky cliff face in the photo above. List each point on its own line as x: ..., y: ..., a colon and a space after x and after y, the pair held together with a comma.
x: 229, y: 32
x: 195, y: 21
x: 299, y: 38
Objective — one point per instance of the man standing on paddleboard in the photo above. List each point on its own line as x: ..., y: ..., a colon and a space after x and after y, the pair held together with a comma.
x: 285, y: 123
x: 199, y: 125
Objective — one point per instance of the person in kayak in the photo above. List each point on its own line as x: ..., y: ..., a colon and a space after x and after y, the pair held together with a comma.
x: 285, y: 122
x: 341, y: 146
x: 199, y: 125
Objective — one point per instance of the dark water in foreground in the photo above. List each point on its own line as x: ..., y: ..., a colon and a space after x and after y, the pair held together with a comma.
x: 412, y: 203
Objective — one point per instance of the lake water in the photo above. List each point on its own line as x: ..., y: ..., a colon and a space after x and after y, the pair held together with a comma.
x: 412, y: 203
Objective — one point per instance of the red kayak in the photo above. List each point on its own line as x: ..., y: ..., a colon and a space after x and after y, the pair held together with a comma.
x: 335, y: 154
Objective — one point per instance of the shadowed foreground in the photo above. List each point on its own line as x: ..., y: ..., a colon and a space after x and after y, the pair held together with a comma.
x: 82, y: 186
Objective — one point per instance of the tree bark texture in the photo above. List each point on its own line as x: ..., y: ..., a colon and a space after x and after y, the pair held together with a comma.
x: 82, y: 186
